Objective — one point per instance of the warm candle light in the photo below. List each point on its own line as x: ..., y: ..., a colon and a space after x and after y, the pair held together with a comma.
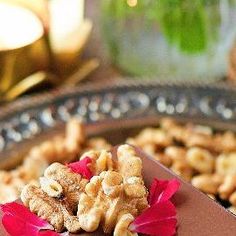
x: 18, y: 27
x: 39, y: 7
x: 23, y: 49
x: 65, y: 21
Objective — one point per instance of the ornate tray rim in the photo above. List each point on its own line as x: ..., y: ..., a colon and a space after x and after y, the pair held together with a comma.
x: 144, y: 99
x: 29, y: 101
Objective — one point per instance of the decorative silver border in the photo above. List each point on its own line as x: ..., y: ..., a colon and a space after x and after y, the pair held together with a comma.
x: 127, y: 99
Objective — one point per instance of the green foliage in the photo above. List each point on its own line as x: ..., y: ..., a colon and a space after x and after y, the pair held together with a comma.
x: 189, y: 25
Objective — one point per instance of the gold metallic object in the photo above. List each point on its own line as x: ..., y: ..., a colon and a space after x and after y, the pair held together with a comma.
x: 23, y: 46
x: 67, y: 52
x: 29, y: 56
x: 82, y: 72
x: 85, y: 69
x: 24, y: 85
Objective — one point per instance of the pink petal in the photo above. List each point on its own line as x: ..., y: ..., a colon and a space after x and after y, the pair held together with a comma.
x: 163, y: 190
x: 157, y: 220
x: 16, y: 227
x: 18, y: 220
x: 24, y: 214
x: 81, y: 167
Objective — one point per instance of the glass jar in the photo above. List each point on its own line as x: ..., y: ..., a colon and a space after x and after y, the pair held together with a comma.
x: 170, y: 39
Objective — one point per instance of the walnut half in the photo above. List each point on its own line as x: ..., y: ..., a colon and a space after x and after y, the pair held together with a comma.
x: 56, y: 199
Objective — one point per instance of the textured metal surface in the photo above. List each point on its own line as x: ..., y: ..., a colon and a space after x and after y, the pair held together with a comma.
x: 31, y: 116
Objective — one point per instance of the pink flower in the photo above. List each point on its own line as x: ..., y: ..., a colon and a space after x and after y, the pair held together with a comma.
x: 163, y: 190
x: 160, y: 218
x: 81, y: 167
x: 19, y: 220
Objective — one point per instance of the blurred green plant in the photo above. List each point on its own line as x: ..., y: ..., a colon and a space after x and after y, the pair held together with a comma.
x: 189, y: 25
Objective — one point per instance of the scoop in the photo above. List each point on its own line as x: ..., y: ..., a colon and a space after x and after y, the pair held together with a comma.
x: 197, y: 214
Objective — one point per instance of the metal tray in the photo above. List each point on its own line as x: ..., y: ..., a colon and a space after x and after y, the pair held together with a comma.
x: 122, y: 107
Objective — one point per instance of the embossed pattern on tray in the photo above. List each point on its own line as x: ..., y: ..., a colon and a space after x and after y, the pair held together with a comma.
x: 28, y: 117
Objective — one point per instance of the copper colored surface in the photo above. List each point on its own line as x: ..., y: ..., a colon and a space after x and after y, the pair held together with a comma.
x: 197, y: 213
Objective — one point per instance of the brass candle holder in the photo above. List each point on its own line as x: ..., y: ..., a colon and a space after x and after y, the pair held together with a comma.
x: 23, y: 46
x: 30, y: 55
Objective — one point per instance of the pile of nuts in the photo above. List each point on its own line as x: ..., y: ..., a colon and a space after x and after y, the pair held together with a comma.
x: 199, y: 155
x: 64, y: 148
x: 112, y: 198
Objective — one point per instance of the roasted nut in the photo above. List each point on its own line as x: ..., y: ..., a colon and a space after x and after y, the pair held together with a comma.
x: 179, y: 163
x: 163, y: 159
x: 112, y: 213
x: 51, y: 187
x: 167, y: 123
x: 88, y: 213
x: 232, y: 198
x: 97, y: 144
x: 93, y: 187
x: 155, y: 136
x: 10, y: 186
x: 59, y: 149
x: 5, y: 177
x: 45, y: 151
x: 122, y: 226
x: 149, y: 148
x: 201, y: 129
x: 32, y: 168
x: 57, y: 197
x: 56, y: 212
x: 133, y: 141
x: 8, y: 193
x: 226, y: 164
x: 225, y: 142
x: 130, y: 167
x: 112, y: 184
x: 174, y: 130
x: 207, y: 183
x: 182, y: 169
x: 227, y: 187
x: 128, y: 163
x: 101, y: 161
x: 113, y: 194
x: 197, y: 139
x: 72, y: 184
x: 200, y: 159
x: 189, y: 135
x: 92, y: 205
x: 176, y: 153
x: 75, y: 136
x: 134, y: 187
